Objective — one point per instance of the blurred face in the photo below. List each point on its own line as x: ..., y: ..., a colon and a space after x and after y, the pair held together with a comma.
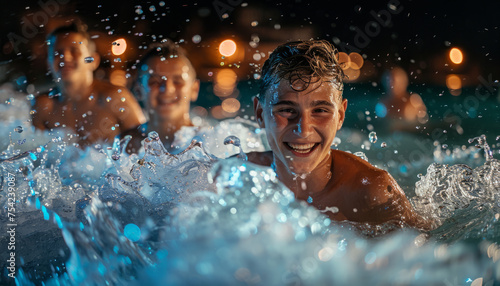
x: 67, y: 60
x: 169, y: 86
x: 301, y: 125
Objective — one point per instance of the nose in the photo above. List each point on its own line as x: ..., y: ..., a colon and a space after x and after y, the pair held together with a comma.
x: 304, y: 127
x: 65, y: 56
x: 167, y: 88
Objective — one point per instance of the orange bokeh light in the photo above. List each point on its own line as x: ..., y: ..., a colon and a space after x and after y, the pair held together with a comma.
x: 119, y: 46
x: 357, y: 60
x: 344, y: 60
x: 456, y: 56
x: 231, y: 105
x: 227, y: 48
x: 118, y: 77
x: 225, y: 82
x: 453, y: 82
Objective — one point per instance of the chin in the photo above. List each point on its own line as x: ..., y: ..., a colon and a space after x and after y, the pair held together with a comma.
x: 299, y: 170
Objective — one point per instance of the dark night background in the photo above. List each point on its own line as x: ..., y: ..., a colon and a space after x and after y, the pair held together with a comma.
x: 420, y: 32
x: 417, y: 36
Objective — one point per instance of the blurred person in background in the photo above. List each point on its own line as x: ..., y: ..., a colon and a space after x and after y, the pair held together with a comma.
x: 166, y: 85
x: 404, y: 110
x: 95, y: 111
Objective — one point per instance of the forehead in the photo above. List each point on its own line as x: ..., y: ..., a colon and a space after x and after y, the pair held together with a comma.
x: 316, y: 90
x: 69, y: 39
x: 167, y: 65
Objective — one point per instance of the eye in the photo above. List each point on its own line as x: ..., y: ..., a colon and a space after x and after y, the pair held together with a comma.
x: 285, y: 112
x: 321, y: 110
x: 154, y: 81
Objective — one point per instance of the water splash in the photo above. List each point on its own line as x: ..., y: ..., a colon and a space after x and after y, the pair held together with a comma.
x: 481, y: 143
x: 235, y: 141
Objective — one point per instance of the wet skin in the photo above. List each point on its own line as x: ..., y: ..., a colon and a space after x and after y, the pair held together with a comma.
x: 95, y: 111
x: 168, y: 87
x: 300, y: 126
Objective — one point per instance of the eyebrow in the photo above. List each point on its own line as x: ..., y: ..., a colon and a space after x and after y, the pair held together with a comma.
x: 322, y: 102
x: 284, y: 102
x: 313, y: 104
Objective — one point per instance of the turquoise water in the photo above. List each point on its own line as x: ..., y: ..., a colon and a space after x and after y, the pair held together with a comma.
x: 90, y: 217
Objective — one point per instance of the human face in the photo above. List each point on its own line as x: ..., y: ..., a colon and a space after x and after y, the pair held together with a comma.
x: 301, y: 125
x: 170, y: 87
x: 67, y: 60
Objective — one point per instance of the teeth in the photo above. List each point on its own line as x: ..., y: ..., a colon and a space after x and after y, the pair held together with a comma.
x: 301, y: 148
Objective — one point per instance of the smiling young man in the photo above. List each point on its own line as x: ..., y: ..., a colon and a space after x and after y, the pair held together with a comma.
x: 166, y: 85
x: 95, y: 111
x: 301, y: 107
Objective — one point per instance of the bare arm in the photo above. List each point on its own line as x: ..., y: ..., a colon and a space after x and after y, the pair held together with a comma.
x: 43, y: 106
x: 127, y: 110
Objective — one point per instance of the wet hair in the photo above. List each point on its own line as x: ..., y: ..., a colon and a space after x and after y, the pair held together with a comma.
x: 166, y: 49
x: 75, y: 26
x: 302, y: 63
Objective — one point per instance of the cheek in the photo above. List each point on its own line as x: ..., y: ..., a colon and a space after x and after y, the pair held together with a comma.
x: 152, y: 97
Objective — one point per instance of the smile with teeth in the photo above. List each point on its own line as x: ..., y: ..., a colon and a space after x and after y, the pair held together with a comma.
x: 301, y: 148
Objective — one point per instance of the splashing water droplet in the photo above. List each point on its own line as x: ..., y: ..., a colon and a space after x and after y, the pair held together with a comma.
x: 61, y: 64
x: 309, y: 199
x: 108, y: 99
x: 232, y: 140
x: 196, y: 39
x: 237, y: 143
x: 132, y: 232
x: 19, y: 129
x: 153, y: 135
x: 383, y: 144
x: 373, y: 137
x: 88, y: 60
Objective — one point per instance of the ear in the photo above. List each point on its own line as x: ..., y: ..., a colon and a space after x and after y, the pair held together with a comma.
x: 97, y: 60
x: 342, y: 110
x: 195, y: 90
x: 257, y: 109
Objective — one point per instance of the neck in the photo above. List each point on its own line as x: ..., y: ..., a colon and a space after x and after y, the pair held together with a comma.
x: 76, y: 92
x: 304, y: 184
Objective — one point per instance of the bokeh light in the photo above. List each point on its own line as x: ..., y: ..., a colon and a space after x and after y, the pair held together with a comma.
x: 344, y: 60
x: 119, y: 46
x: 456, y: 56
x: 231, y: 105
x: 118, y: 77
x: 227, y: 48
x: 225, y: 82
x: 453, y: 81
x: 356, y: 60
x: 352, y: 74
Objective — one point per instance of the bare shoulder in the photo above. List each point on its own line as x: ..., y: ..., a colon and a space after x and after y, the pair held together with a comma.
x: 356, y: 164
x: 108, y: 89
x: 375, y: 185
